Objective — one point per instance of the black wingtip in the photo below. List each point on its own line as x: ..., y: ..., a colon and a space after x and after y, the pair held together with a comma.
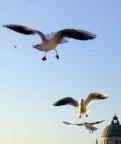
x: 94, y: 36
x: 3, y: 25
x: 6, y: 26
x: 54, y: 104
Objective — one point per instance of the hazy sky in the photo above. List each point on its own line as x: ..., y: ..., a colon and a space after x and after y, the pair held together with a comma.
x: 29, y: 86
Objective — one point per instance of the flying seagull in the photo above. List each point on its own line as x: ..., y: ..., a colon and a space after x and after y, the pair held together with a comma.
x: 14, y: 46
x: 54, y: 40
x: 88, y: 125
x: 82, y: 104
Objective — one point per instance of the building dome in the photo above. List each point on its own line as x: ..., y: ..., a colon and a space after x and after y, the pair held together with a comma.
x: 114, y: 129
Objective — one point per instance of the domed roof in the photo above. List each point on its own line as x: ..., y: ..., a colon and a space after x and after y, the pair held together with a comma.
x: 114, y: 129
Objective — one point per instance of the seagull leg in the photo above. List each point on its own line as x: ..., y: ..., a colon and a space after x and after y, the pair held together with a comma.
x: 86, y: 115
x: 44, y: 58
x: 57, y: 56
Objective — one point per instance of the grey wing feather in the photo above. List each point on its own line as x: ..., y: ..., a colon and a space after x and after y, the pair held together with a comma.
x: 41, y: 35
x: 52, y: 34
x: 67, y: 123
x: 94, y: 96
x: 25, y: 30
x: 66, y: 101
x: 73, y: 33
x: 97, y: 122
x: 94, y: 128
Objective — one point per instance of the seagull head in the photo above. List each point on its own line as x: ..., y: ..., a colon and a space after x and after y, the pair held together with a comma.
x: 37, y: 46
x: 40, y: 47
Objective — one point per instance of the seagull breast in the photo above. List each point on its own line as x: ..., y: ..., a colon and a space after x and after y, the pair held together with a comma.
x: 82, y: 106
x: 88, y: 125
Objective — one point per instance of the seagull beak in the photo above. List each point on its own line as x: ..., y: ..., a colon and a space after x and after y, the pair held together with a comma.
x: 34, y: 46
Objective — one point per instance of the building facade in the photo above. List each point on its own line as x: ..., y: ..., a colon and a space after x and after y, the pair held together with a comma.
x: 112, y: 133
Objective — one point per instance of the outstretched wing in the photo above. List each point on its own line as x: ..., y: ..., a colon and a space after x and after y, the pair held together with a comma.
x: 73, y: 33
x: 95, y: 96
x: 52, y: 34
x: 67, y: 123
x: 97, y: 122
x: 66, y: 101
x: 25, y: 30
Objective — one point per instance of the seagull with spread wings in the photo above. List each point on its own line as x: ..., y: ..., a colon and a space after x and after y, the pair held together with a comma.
x: 82, y: 104
x: 88, y: 125
x: 52, y: 42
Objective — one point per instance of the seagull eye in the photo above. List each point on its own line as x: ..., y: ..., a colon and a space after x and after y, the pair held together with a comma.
x: 37, y: 45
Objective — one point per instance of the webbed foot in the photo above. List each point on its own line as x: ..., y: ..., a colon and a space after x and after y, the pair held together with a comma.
x: 44, y: 58
x: 86, y: 115
x: 57, y: 56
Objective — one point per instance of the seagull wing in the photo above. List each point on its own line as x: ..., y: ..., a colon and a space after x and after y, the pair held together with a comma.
x: 67, y: 123
x: 73, y: 33
x: 25, y: 30
x: 66, y: 101
x: 52, y: 34
x: 95, y: 96
x: 97, y: 122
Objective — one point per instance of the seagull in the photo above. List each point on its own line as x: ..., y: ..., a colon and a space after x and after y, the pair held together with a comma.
x: 52, y: 42
x: 88, y: 125
x: 81, y: 104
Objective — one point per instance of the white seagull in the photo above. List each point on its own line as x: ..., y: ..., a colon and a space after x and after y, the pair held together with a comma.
x: 88, y: 125
x: 53, y: 40
x: 82, y: 104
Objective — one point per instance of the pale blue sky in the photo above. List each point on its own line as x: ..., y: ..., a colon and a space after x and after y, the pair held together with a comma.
x: 29, y: 86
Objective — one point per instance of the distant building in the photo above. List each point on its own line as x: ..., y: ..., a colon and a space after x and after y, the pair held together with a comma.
x: 112, y: 133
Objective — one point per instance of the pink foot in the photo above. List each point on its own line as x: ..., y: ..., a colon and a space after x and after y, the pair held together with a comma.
x: 44, y: 58
x: 57, y: 56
